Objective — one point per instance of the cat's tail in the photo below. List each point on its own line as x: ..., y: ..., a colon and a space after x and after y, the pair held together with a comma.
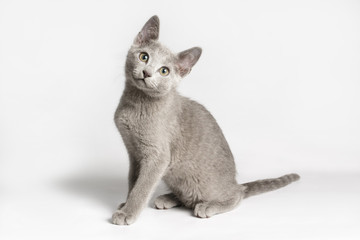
x: 265, y: 185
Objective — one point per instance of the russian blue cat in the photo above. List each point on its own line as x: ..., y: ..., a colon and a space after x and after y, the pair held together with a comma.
x: 173, y: 138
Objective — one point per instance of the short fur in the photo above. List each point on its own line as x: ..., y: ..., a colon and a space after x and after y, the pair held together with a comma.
x: 173, y: 138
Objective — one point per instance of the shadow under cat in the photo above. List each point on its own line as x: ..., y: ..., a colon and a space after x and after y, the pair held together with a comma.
x: 108, y: 189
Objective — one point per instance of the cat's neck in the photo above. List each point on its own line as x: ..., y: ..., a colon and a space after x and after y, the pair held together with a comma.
x: 134, y: 96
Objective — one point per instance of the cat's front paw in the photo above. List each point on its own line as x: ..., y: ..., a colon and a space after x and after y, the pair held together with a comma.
x: 203, y: 210
x: 166, y: 201
x: 122, y: 218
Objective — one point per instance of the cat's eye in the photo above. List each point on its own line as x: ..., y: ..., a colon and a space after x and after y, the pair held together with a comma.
x: 144, y: 57
x: 164, y: 71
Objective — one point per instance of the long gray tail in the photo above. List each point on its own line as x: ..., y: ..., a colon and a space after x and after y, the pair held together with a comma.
x: 266, y: 185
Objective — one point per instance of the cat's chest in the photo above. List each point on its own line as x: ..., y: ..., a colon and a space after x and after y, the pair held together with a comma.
x: 136, y: 123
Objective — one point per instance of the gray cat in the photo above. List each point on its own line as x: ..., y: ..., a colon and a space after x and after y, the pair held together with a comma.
x: 173, y: 138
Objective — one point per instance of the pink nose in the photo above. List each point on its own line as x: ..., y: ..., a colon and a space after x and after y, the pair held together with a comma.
x: 146, y: 74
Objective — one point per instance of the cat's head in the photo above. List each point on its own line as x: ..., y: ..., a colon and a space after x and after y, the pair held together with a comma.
x: 152, y: 67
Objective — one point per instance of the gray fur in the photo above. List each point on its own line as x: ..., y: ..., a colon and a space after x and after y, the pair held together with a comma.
x: 173, y: 138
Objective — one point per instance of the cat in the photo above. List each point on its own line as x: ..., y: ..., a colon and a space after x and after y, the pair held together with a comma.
x: 170, y: 137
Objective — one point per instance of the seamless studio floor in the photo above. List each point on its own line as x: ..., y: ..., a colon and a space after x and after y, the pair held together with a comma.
x: 319, y: 206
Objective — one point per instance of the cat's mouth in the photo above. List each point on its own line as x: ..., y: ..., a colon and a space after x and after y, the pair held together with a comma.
x: 144, y: 85
x: 141, y: 81
x: 147, y: 86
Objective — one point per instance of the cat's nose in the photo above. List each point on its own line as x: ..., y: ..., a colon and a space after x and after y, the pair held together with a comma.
x: 146, y: 74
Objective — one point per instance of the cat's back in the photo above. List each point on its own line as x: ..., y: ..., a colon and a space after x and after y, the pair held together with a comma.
x: 194, y: 116
x: 202, y: 164
x: 201, y: 132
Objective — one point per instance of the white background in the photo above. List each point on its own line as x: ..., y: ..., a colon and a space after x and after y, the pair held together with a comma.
x: 282, y: 79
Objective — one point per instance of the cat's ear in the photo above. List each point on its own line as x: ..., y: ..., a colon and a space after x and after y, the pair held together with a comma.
x: 149, y: 32
x: 187, y: 59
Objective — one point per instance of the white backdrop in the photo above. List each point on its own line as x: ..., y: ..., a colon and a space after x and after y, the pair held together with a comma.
x: 282, y: 78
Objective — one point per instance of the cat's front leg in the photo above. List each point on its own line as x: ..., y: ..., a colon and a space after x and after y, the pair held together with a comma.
x: 132, y: 177
x: 150, y: 174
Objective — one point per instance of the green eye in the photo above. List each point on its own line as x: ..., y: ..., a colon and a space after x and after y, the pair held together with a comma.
x: 144, y: 57
x: 164, y: 71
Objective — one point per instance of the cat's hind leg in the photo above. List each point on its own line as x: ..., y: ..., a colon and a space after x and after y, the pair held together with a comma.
x: 208, y: 209
x: 167, y: 201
